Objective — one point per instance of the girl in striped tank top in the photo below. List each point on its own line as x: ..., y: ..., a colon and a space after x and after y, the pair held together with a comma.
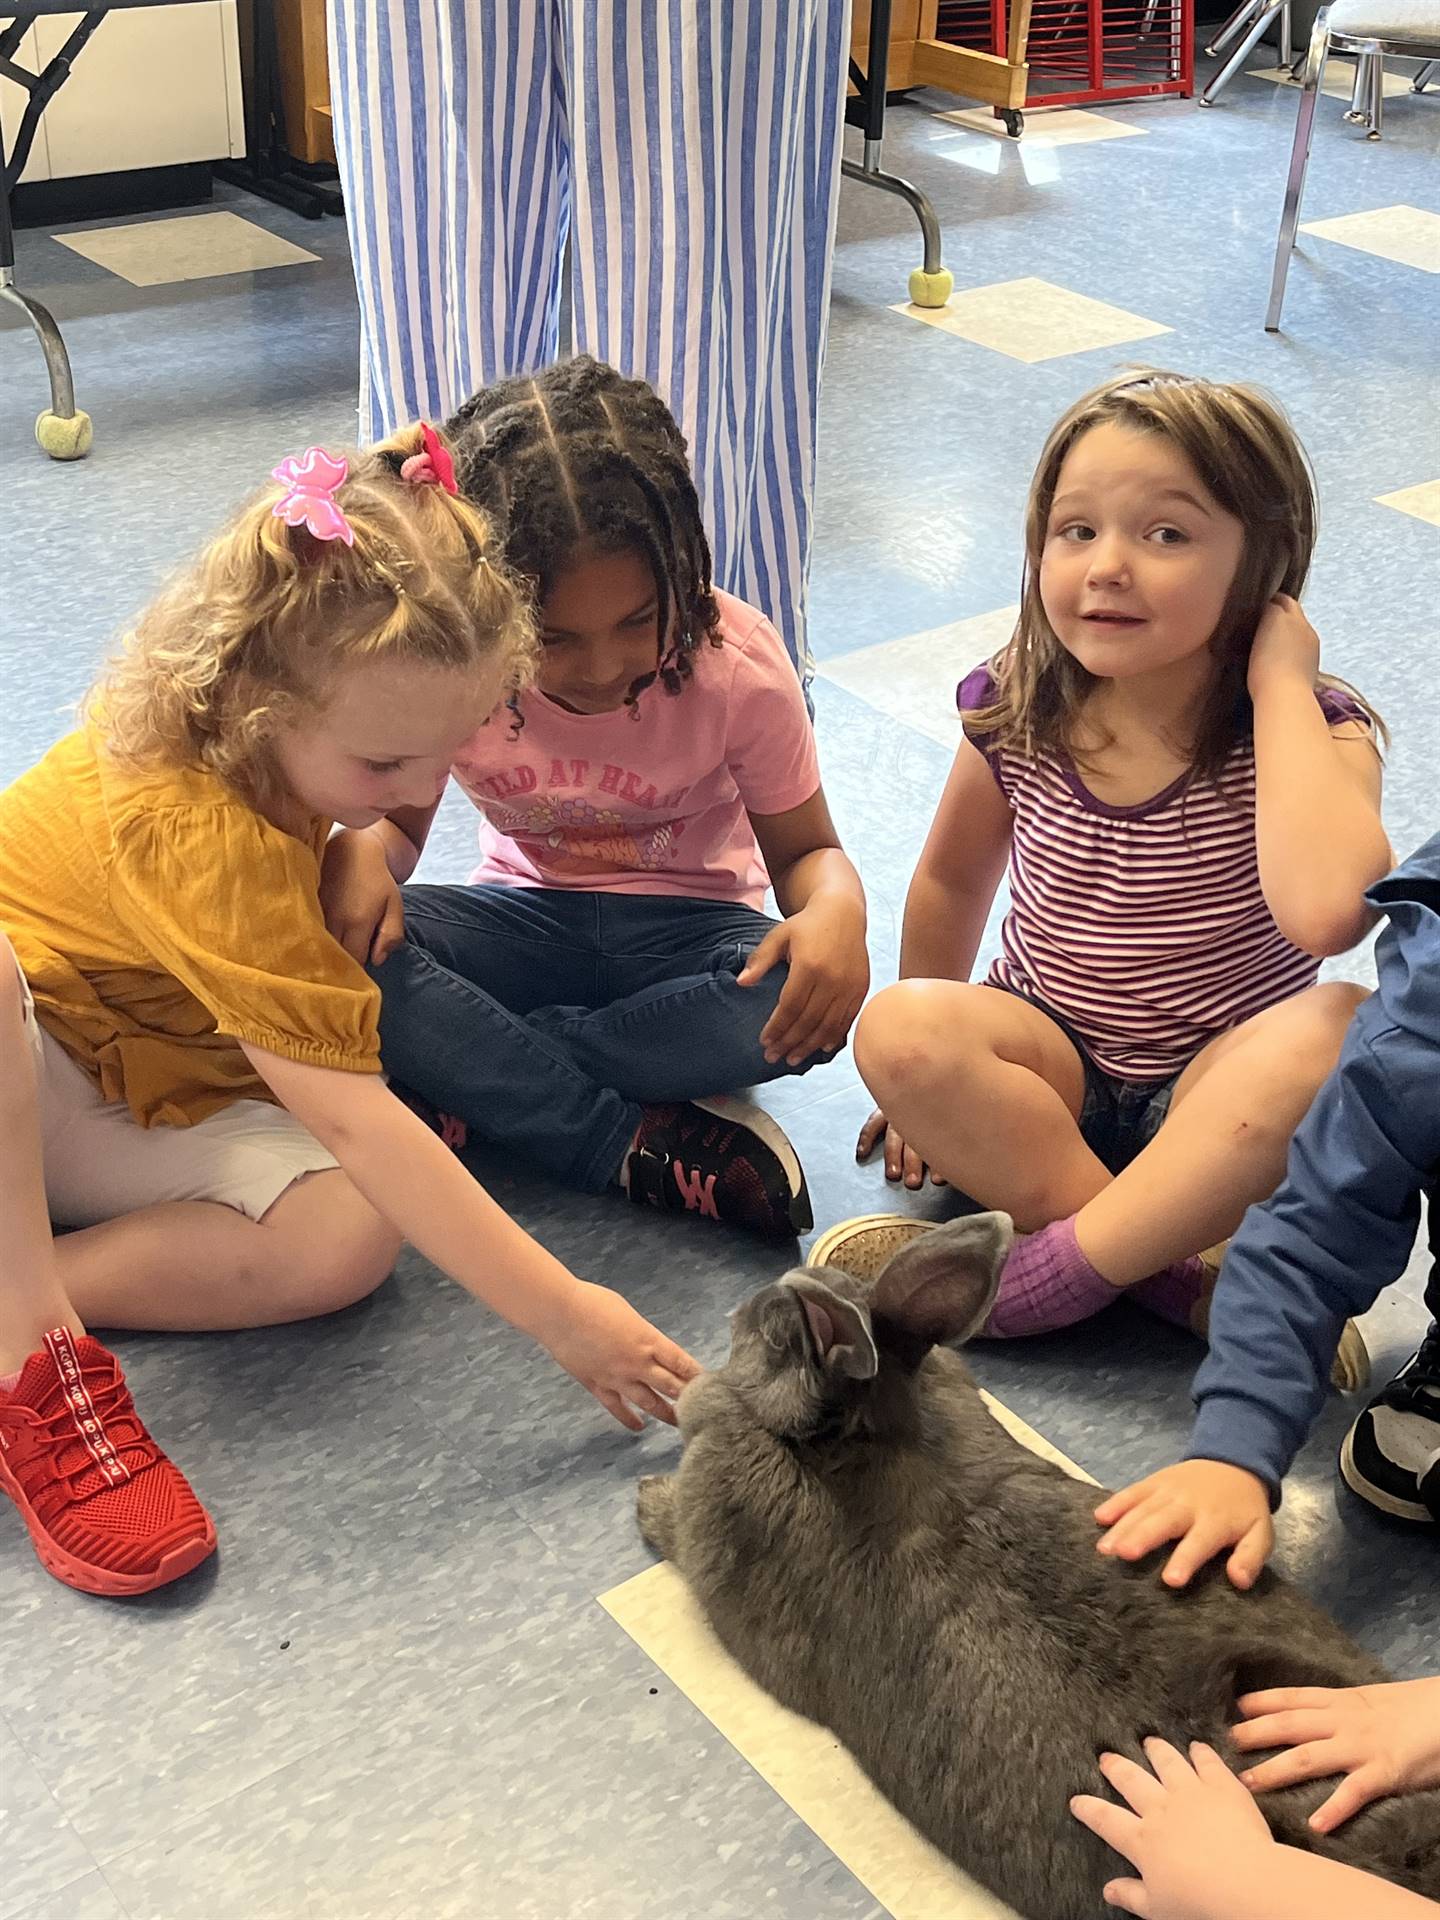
x: 1189, y: 814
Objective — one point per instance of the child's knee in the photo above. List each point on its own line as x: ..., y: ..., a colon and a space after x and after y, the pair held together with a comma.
x: 899, y: 1037
x: 334, y: 1252
x: 1322, y: 1018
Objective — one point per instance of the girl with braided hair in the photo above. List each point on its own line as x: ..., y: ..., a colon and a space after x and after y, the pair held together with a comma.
x: 609, y: 971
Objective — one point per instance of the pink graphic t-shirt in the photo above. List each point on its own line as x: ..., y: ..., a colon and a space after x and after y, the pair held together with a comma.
x: 652, y: 798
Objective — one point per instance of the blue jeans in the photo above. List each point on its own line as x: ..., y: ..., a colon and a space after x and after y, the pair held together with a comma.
x: 544, y: 1018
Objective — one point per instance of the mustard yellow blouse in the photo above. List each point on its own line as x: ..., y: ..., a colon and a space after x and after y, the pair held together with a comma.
x: 160, y: 921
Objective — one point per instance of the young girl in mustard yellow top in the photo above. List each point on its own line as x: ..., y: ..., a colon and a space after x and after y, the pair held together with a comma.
x: 189, y: 1064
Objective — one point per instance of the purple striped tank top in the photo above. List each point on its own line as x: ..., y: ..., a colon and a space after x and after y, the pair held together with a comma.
x: 1145, y: 926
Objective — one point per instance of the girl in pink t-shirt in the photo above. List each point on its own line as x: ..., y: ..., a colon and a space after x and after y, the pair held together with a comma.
x: 609, y: 970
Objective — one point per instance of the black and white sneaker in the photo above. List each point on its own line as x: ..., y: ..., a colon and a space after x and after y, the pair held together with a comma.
x: 722, y: 1159
x: 1391, y: 1456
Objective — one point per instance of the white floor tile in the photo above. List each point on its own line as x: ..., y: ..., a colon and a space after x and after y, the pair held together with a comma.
x: 1410, y: 235
x: 1061, y: 127
x: 1422, y: 501
x: 1339, y: 81
x: 1033, y: 319
x: 195, y: 246
x: 913, y: 679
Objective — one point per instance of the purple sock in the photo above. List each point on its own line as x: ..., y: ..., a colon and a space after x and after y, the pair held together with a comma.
x: 1175, y: 1292
x: 1047, y: 1283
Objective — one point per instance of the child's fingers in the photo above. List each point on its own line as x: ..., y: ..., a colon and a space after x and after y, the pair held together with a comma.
x: 1119, y: 1504
x: 914, y: 1169
x: 871, y: 1134
x: 390, y: 934
x: 1136, y: 1784
x: 770, y: 949
x: 641, y: 1396
x: 1355, y: 1791
x: 1204, y: 1538
x: 1315, y: 1760
x: 355, y: 936
x: 794, y: 1019
x: 1247, y: 1563
x: 673, y: 1364
x: 794, y: 997
x: 1282, y: 1699
x: 1130, y: 1897
x: 615, y: 1406
x: 1287, y: 1729
x: 1208, y: 1764
x: 1145, y: 1528
x: 1116, y: 1826
x: 1172, y: 1769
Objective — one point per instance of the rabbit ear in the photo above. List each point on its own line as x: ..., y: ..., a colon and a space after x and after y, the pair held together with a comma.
x: 840, y: 1329
x: 938, y: 1290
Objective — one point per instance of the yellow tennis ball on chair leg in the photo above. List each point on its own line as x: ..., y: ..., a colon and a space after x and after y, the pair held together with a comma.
x: 65, y: 436
x: 931, y: 289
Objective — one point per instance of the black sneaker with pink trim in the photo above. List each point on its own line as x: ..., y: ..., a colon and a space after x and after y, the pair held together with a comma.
x: 724, y: 1160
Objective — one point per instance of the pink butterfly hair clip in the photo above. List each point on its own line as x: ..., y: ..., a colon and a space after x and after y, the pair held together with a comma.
x: 309, y: 497
x: 433, y: 467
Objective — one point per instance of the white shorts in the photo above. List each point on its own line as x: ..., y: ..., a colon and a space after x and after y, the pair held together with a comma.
x: 100, y: 1163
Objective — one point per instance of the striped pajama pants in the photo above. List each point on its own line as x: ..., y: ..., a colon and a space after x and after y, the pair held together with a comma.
x: 688, y: 150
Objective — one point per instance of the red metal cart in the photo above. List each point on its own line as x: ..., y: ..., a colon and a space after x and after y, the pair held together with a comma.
x: 1083, y: 52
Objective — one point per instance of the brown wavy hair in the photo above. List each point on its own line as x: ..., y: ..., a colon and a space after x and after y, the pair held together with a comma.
x: 1246, y: 452
x: 255, y: 629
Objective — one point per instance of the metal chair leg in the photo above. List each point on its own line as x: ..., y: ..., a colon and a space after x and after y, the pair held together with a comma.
x: 1377, y: 96
x: 1287, y: 50
x: 1424, y: 76
x: 1357, y: 114
x: 1241, y: 17
x: 1299, y: 162
x: 1221, y: 80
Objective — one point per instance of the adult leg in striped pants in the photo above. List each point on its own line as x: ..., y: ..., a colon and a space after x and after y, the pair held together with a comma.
x: 689, y: 148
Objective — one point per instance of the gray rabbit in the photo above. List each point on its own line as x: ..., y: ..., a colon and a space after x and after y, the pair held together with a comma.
x: 875, y: 1550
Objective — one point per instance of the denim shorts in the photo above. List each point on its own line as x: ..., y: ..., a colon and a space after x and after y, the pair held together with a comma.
x: 1117, y: 1117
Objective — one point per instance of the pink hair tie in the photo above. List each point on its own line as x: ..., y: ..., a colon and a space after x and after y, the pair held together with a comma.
x: 309, y: 500
x: 433, y: 467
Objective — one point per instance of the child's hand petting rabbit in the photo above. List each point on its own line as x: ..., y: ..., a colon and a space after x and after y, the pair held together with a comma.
x: 1206, y: 1505
x: 1383, y: 1739
x: 1191, y: 1833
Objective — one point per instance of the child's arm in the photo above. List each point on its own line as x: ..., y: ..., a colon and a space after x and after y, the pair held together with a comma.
x: 1317, y: 794
x: 822, y: 935
x: 1203, y: 1851
x: 960, y: 867
x: 420, y: 1187
x: 1384, y: 1739
x: 946, y: 908
x: 360, y: 882
x: 1335, y: 1233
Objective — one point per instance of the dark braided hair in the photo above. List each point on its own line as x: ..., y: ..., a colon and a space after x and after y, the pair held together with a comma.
x: 575, y: 456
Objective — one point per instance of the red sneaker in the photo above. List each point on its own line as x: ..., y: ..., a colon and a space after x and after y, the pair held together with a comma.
x: 107, y: 1511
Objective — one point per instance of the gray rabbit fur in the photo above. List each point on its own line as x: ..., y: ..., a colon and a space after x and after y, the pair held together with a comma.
x: 878, y: 1553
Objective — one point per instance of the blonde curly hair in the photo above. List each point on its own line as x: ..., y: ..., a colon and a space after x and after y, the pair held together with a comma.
x: 253, y: 632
